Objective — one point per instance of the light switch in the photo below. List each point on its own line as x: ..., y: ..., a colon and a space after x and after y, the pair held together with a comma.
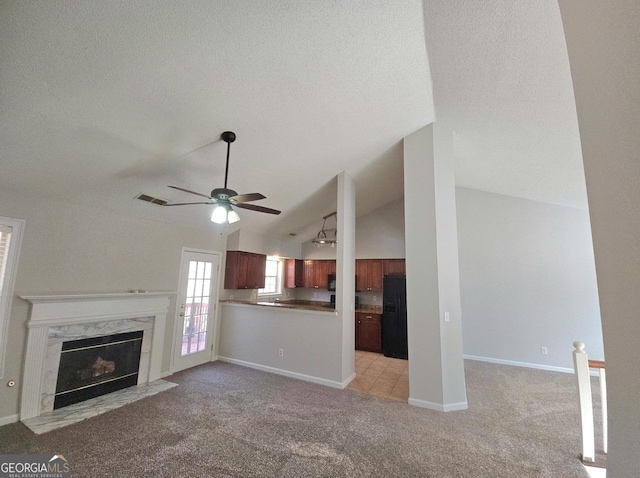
x: 446, y: 316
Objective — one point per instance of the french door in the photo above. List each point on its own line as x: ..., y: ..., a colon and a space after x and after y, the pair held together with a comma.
x: 196, y: 309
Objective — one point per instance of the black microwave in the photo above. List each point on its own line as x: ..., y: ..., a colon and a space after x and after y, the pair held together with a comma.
x: 331, y: 282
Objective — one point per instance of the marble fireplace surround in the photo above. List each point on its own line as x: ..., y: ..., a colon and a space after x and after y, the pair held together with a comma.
x: 55, y: 319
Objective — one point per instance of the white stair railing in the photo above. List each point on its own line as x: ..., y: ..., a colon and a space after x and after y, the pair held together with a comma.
x: 581, y: 365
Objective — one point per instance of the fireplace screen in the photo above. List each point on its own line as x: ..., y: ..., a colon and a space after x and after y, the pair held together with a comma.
x: 96, y: 366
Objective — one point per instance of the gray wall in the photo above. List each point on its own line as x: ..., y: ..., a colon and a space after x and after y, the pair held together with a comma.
x: 380, y: 233
x: 527, y: 276
x: 527, y: 280
x: 70, y: 249
x: 311, y: 340
x: 604, y: 53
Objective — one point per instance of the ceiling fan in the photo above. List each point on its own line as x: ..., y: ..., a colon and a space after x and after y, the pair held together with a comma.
x: 224, y: 198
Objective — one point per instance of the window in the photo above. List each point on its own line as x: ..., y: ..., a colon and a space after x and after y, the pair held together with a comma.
x: 5, y: 236
x: 10, y: 238
x: 272, y: 277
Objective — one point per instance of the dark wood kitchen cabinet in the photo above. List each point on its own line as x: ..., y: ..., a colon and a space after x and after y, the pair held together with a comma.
x: 293, y: 273
x: 394, y: 266
x: 309, y: 274
x: 244, y: 270
x: 316, y: 273
x: 368, y: 332
x: 369, y: 274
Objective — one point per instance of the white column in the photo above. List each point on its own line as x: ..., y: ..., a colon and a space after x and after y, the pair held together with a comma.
x: 436, y: 366
x: 345, y: 272
x: 32, y: 377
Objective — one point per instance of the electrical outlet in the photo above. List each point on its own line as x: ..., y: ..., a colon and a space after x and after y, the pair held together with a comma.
x: 231, y: 297
x: 446, y: 316
x: 375, y: 298
x: 281, y: 352
x: 315, y: 294
x: 543, y: 350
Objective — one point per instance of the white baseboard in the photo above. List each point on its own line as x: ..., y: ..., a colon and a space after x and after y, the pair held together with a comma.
x: 550, y: 368
x: 288, y: 373
x: 439, y: 407
x: 9, y: 419
x: 348, y: 380
x: 165, y: 374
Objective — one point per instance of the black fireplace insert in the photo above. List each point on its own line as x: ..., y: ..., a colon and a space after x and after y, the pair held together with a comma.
x: 97, y: 366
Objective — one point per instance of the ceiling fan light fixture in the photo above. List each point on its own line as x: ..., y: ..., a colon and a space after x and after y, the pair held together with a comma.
x: 225, y: 197
x: 232, y: 216
x: 219, y: 215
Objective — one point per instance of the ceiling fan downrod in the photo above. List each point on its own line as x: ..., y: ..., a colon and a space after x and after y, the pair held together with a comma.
x: 228, y: 137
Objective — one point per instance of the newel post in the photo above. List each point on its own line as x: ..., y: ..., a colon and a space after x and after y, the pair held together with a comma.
x: 581, y: 367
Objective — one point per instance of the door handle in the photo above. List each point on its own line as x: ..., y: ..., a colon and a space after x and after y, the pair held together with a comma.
x: 181, y: 314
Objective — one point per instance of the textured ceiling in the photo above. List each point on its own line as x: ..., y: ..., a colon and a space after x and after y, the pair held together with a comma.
x: 501, y: 80
x: 102, y: 100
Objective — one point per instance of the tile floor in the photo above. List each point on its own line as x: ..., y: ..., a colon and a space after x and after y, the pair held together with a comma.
x: 382, y: 376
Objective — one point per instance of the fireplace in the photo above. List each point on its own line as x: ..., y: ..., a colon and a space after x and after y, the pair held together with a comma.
x: 96, y: 366
x: 57, y: 321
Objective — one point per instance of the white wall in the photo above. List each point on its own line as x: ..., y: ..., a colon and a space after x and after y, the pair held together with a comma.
x: 604, y: 54
x: 527, y: 279
x: 70, y: 249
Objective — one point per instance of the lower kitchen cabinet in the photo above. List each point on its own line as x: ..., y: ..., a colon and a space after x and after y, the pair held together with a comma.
x: 368, y: 332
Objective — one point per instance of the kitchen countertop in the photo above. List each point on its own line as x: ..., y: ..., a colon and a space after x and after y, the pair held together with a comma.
x: 287, y: 304
x: 305, y: 305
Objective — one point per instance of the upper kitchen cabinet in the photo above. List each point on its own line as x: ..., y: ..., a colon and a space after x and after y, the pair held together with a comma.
x: 316, y: 273
x: 394, y: 266
x: 293, y: 273
x: 369, y: 274
x: 244, y: 270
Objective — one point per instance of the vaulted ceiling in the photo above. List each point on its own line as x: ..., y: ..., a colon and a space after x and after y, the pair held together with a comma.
x: 103, y: 100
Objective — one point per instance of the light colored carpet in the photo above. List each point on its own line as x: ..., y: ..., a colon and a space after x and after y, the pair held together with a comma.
x: 229, y: 421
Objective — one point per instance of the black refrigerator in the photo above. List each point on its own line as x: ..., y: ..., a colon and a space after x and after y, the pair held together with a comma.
x: 394, y: 317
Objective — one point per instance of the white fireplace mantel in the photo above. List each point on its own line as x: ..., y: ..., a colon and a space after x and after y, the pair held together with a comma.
x: 56, y: 318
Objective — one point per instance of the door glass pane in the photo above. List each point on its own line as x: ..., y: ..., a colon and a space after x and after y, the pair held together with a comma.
x: 192, y: 269
x: 196, y: 310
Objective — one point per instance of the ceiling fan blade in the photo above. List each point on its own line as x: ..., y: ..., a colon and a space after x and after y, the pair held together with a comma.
x: 187, y: 203
x: 190, y: 192
x: 253, y: 207
x: 247, y: 197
